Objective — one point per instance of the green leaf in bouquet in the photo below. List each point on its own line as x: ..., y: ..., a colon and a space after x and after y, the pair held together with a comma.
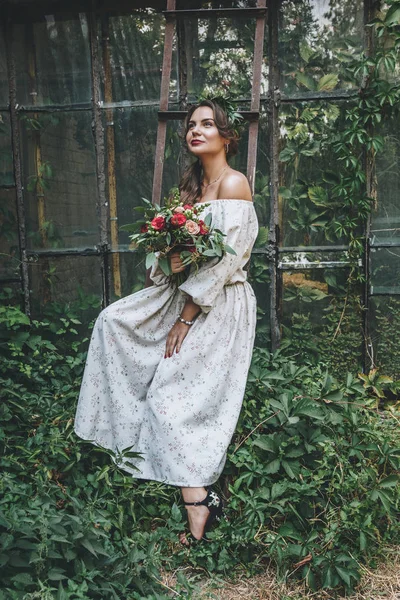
x: 164, y: 265
x: 168, y: 238
x: 131, y: 227
x: 208, y: 219
x: 218, y: 250
x: 186, y: 258
x: 209, y: 253
x: 218, y: 232
x: 150, y: 260
x: 229, y: 250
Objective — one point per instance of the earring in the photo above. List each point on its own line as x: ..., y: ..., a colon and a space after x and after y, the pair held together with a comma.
x: 227, y: 148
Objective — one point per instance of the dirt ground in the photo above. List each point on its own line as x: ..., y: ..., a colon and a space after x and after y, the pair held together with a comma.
x: 383, y: 583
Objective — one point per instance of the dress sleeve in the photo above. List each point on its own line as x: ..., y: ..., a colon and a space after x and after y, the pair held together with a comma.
x: 207, y: 282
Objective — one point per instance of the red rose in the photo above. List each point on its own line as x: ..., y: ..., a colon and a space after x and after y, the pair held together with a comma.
x: 144, y: 228
x: 178, y: 219
x: 158, y: 223
x: 191, y: 248
x: 187, y: 206
x: 203, y: 227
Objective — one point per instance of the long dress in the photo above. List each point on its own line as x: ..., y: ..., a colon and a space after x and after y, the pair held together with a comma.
x: 179, y: 413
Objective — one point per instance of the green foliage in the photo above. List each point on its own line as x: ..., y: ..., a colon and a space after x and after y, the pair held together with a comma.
x: 312, y: 475
x: 386, y: 319
x: 66, y: 511
x: 315, y: 480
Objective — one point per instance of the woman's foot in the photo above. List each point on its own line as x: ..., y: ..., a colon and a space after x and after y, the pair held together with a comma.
x: 197, y: 517
x: 202, y: 507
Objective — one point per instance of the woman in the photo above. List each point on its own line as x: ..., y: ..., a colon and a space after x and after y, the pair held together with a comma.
x: 167, y: 366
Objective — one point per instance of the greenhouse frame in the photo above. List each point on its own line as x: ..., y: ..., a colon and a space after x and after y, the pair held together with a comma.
x: 92, y: 99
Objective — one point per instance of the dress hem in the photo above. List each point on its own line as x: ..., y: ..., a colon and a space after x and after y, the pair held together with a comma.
x: 139, y: 474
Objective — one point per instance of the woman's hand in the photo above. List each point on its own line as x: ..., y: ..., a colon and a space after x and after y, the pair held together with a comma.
x: 175, y: 338
x: 176, y: 263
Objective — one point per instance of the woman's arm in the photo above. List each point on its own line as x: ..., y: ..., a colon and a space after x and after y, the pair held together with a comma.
x: 190, y: 311
x: 180, y: 330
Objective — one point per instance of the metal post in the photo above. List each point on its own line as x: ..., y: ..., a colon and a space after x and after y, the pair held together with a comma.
x: 111, y: 179
x: 273, y: 128
x: 98, y: 132
x: 371, y: 185
x: 162, y: 124
x: 255, y: 95
x: 15, y: 141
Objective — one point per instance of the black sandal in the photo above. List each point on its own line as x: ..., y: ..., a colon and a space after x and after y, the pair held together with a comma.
x: 215, y: 505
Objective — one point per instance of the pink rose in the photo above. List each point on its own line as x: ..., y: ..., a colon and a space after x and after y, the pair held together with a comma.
x: 192, y: 227
x: 179, y: 209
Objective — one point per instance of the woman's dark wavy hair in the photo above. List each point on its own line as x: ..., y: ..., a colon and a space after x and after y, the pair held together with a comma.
x: 190, y: 184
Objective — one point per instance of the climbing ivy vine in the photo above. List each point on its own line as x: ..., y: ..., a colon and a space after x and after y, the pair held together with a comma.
x: 329, y: 184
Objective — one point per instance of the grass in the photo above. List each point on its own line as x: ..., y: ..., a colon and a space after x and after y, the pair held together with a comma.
x: 381, y: 583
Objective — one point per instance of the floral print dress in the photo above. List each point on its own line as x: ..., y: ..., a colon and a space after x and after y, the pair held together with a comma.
x: 179, y: 413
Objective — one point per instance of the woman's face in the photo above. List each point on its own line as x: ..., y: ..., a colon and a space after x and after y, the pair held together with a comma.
x: 203, y: 136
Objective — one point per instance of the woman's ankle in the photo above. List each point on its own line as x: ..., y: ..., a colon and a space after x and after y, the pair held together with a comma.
x: 193, y: 494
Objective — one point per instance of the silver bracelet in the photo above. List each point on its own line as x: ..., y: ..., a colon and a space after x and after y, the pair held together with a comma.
x: 184, y: 321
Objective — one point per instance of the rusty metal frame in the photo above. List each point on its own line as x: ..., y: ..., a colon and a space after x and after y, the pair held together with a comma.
x: 162, y: 124
x: 16, y: 151
x: 255, y: 93
x: 368, y: 350
x: 171, y: 115
x: 98, y: 131
x: 219, y: 12
x: 164, y: 114
x: 272, y: 107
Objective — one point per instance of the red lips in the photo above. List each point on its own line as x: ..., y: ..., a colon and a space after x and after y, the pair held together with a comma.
x: 196, y: 142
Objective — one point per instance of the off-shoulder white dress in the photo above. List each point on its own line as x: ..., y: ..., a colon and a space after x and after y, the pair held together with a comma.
x: 180, y: 413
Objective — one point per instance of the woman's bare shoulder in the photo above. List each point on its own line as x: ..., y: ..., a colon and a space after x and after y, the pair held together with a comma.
x: 234, y: 186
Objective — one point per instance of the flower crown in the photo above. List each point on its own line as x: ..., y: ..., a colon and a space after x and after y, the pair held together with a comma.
x: 235, y: 119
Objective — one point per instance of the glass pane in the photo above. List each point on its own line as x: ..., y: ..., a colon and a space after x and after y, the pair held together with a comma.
x: 259, y: 277
x: 132, y: 60
x: 219, y: 54
x: 314, y: 260
x: 384, y: 322
x: 6, y: 158
x: 385, y: 270
x: 9, y: 243
x: 127, y: 273
x: 385, y: 220
x: 53, y: 60
x: 72, y: 280
x: 131, y: 135
x: 3, y: 71
x: 320, y: 319
x: 317, y: 38
x: 310, y: 212
x: 59, y: 170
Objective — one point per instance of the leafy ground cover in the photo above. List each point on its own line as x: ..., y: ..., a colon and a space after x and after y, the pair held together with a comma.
x: 312, y: 481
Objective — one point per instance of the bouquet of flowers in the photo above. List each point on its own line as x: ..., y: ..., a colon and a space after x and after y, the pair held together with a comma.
x: 176, y: 227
